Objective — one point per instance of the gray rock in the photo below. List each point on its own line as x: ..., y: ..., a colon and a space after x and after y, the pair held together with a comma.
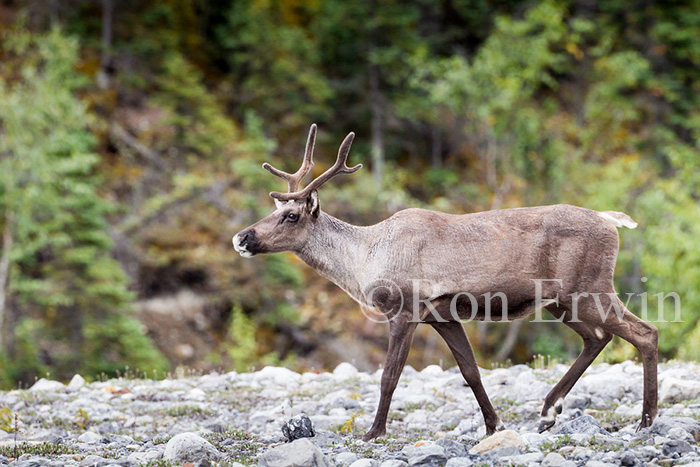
x: 326, y: 438
x: 522, y: 459
x: 365, y: 463
x: 680, y: 433
x: 108, y: 427
x: 676, y: 448
x: 189, y: 447
x: 505, y: 451
x: 90, y: 437
x: 460, y: 462
x: 577, y: 401
x: 453, y: 448
x: 553, y: 459
x: 583, y: 425
x: 347, y: 403
x: 394, y: 462
x: 298, y: 453
x: 298, y: 427
x: 93, y: 460
x: 676, y: 390
x: 428, y: 455
x: 137, y: 458
x: 345, y: 458
x: 32, y: 462
x: 628, y: 459
x: 663, y: 425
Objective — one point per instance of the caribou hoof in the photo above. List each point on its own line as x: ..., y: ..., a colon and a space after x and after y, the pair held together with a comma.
x: 645, y: 422
x: 545, y: 425
x: 373, y: 433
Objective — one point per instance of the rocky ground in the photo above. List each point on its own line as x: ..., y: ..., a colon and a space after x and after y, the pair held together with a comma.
x: 231, y: 419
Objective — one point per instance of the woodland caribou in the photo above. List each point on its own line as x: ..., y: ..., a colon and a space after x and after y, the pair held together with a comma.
x: 418, y: 266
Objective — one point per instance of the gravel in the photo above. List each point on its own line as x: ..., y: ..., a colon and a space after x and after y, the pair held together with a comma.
x: 236, y: 419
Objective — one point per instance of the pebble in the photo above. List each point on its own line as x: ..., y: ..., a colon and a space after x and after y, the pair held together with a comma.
x: 434, y: 419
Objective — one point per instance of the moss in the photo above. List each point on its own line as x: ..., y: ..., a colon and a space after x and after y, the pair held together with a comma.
x: 39, y: 449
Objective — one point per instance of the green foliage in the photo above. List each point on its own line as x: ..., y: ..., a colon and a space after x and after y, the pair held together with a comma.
x: 7, y: 420
x: 82, y: 419
x: 243, y: 349
x: 64, y: 287
x: 478, y: 104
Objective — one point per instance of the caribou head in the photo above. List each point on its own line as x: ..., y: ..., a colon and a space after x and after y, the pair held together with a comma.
x: 288, y: 227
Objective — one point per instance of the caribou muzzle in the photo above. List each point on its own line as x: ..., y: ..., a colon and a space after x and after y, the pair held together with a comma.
x: 246, y: 243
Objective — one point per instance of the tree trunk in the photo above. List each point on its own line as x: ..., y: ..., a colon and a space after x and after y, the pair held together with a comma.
x: 436, y: 147
x: 53, y: 13
x: 103, y: 77
x: 377, y: 134
x: 510, y: 340
x: 375, y: 102
x: 7, y: 241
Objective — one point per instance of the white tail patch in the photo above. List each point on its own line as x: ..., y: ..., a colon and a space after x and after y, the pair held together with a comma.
x: 618, y: 219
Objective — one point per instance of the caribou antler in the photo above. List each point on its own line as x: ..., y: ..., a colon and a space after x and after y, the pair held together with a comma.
x: 338, y: 168
x: 294, y: 179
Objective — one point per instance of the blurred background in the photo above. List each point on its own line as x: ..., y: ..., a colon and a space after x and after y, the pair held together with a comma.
x: 132, y: 134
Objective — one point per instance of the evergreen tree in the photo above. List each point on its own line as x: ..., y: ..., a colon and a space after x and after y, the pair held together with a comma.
x: 65, y: 300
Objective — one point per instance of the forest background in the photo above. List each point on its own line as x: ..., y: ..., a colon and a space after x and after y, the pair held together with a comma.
x: 132, y: 135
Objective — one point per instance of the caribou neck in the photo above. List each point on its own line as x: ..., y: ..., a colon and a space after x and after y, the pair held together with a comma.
x: 333, y: 250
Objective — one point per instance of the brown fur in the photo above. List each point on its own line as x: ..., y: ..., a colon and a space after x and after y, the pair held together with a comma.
x: 487, y: 252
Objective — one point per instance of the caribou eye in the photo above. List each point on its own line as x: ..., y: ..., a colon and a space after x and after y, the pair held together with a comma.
x: 291, y: 217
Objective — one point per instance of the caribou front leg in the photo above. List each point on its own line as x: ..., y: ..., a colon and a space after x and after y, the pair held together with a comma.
x: 458, y: 342
x: 400, y: 338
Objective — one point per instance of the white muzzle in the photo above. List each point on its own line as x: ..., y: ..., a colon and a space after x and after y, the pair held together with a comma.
x: 241, y: 249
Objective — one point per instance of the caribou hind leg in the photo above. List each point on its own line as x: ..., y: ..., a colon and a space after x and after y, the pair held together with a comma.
x: 596, y: 328
x: 456, y: 338
x: 645, y: 337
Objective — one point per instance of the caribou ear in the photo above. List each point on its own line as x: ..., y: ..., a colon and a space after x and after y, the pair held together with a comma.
x: 278, y: 203
x: 313, y: 206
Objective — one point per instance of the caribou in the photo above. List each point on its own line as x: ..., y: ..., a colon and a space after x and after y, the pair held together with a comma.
x: 419, y: 266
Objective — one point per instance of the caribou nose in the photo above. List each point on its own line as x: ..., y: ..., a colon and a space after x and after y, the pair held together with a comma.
x: 242, y: 238
x: 241, y: 242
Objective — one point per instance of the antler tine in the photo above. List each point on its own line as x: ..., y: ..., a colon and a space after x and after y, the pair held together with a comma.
x: 294, y: 179
x: 339, y: 167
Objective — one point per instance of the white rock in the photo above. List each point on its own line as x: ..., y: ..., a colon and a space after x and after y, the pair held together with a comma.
x: 196, y: 394
x: 598, y: 464
x: 345, y: 371
x: 298, y: 453
x: 76, y: 383
x: 278, y: 375
x: 138, y: 458
x: 533, y: 440
x: 47, y: 385
x: 432, y: 370
x: 498, y: 440
x: 189, y: 447
x: 497, y: 377
x: 90, y: 437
